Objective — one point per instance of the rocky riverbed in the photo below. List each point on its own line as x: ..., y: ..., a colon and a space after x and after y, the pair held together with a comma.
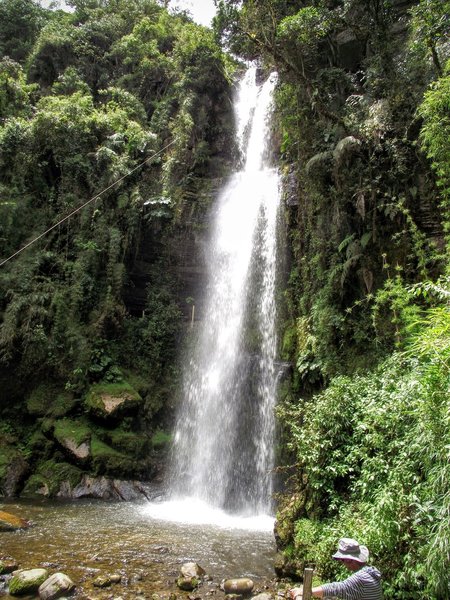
x: 116, y: 551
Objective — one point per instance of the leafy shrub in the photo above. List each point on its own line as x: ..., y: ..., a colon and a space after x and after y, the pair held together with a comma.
x: 374, y: 450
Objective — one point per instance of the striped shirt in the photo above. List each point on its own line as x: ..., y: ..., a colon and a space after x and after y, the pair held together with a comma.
x: 365, y: 584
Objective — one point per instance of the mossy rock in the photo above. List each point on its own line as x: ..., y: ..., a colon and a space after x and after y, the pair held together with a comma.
x: 127, y: 442
x: 9, y: 522
x: 27, y: 582
x: 161, y: 440
x: 49, y: 399
x: 13, y: 470
x: 74, y: 437
x: 7, y: 565
x: 319, y: 167
x: 112, y: 400
x: 6, y: 455
x: 139, y: 383
x: 187, y: 584
x: 40, y: 446
x: 155, y: 400
x: 345, y: 149
x: 108, y: 461
x: 52, y: 478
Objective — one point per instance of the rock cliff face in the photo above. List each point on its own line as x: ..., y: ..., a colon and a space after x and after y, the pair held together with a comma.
x: 97, y: 440
x: 184, y: 251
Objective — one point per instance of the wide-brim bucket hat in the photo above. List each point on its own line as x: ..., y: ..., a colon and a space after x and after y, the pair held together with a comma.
x: 349, y: 549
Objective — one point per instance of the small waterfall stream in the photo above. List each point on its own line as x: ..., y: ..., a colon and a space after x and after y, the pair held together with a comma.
x: 223, y: 448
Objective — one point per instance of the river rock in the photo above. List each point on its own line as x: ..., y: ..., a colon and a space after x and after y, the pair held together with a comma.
x: 7, y: 565
x: 102, y: 581
x: 190, y: 576
x: 263, y: 596
x: 9, y: 522
x: 108, y: 489
x: 56, y: 586
x: 242, y: 585
x: 27, y: 581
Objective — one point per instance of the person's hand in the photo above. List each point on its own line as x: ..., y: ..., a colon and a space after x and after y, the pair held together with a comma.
x: 295, y: 593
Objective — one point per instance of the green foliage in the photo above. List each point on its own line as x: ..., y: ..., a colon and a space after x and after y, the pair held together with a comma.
x: 49, y: 400
x: 20, y: 23
x: 431, y: 28
x: 135, y: 444
x: 304, y: 30
x: 14, y: 91
x: 49, y: 476
x: 393, y: 311
x: 101, y: 75
x: 78, y: 431
x: 161, y: 439
x: 374, y: 452
x: 122, y: 396
x: 435, y: 133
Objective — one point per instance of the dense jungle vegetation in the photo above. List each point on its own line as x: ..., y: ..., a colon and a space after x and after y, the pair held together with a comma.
x: 92, y: 313
x: 363, y: 129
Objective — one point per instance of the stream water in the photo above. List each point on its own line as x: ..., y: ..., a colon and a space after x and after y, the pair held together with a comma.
x: 85, y: 539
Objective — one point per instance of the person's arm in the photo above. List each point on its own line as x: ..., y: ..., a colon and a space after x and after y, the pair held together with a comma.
x: 297, y: 593
x: 351, y: 588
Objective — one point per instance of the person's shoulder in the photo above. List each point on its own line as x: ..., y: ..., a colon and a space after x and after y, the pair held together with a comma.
x: 369, y: 571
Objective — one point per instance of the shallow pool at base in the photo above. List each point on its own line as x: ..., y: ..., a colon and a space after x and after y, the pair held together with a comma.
x: 86, y: 539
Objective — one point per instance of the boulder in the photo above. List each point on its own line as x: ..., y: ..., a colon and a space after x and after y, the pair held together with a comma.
x: 285, y: 567
x: 108, y: 489
x: 75, y: 438
x: 319, y: 170
x: 52, y: 479
x: 345, y: 149
x: 49, y: 399
x: 79, y: 451
x: 57, y: 585
x: 192, y: 569
x: 242, y: 585
x: 190, y: 576
x: 263, y: 596
x: 112, y: 400
x: 9, y: 522
x: 13, y: 470
x: 319, y: 165
x: 27, y: 581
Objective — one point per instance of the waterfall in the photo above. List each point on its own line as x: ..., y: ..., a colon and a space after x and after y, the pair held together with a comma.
x: 224, y: 434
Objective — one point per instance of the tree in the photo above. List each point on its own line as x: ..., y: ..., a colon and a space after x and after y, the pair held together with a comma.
x: 431, y: 27
x: 14, y: 91
x: 435, y: 133
x: 20, y: 23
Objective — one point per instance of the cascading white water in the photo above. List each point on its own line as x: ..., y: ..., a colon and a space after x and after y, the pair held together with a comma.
x: 224, y: 438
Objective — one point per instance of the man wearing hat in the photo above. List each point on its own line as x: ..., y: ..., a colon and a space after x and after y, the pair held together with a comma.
x: 364, y: 584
